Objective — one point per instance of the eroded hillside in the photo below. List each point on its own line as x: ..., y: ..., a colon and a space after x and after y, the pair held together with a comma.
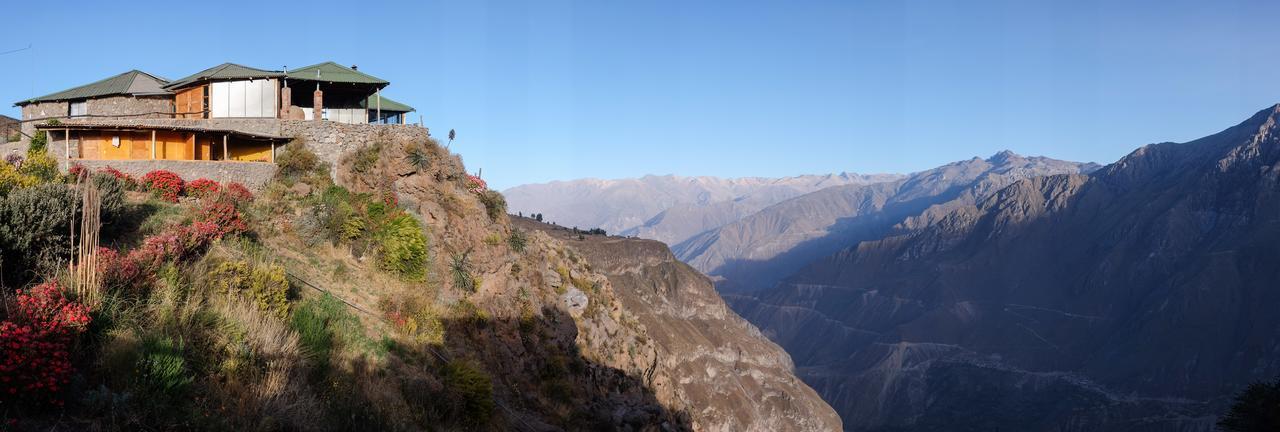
x: 399, y: 297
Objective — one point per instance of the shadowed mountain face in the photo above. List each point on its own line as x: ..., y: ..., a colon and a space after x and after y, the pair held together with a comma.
x: 727, y: 376
x: 666, y: 208
x: 1138, y: 297
x: 759, y: 250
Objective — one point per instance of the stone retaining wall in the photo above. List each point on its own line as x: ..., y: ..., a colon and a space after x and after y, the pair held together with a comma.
x: 251, y: 174
x: 330, y: 140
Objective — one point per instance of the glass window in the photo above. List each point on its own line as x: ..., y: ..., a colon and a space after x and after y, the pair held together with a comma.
x: 77, y: 109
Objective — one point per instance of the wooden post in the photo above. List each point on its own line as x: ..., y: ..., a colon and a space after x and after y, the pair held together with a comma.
x: 378, y: 95
x: 273, y: 152
x: 153, y: 143
x: 66, y: 145
x: 225, y: 156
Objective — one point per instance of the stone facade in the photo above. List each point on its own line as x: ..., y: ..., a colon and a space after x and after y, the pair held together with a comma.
x: 121, y: 107
x: 8, y: 127
x: 252, y: 174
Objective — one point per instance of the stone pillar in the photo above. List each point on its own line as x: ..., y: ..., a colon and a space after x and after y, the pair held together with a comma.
x: 317, y: 110
x: 286, y: 99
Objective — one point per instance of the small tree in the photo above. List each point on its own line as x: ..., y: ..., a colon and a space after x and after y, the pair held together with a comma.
x: 1256, y: 409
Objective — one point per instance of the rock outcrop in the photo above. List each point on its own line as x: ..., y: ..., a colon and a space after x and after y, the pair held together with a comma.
x: 724, y: 373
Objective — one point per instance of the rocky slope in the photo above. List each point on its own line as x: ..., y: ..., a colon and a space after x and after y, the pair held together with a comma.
x: 757, y: 251
x: 658, y: 348
x: 665, y: 208
x: 1137, y: 297
x: 728, y: 376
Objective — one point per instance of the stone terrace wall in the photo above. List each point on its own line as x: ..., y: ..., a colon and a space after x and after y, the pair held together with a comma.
x: 330, y: 140
x: 251, y: 174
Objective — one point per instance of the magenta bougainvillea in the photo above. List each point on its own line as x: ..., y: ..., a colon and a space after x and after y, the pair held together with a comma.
x: 476, y: 185
x: 166, y: 184
x: 35, y: 364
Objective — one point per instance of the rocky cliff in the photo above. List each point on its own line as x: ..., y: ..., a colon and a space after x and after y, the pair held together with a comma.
x: 724, y: 373
x: 654, y: 345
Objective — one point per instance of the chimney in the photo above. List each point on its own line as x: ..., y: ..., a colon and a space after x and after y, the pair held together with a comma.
x: 318, y: 104
x: 286, y: 99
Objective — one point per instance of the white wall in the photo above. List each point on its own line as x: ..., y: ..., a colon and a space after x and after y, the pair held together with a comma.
x: 252, y: 98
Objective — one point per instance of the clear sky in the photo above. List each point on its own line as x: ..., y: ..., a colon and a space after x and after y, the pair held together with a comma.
x: 548, y: 89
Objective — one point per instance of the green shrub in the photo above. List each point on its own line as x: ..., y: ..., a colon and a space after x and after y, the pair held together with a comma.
x: 494, y: 204
x: 518, y: 240
x: 11, y: 179
x: 35, y: 224
x: 364, y: 159
x: 297, y: 161
x: 266, y: 287
x: 39, y: 142
x: 471, y: 390
x: 493, y: 239
x: 403, y: 247
x: 162, y: 370
x: 460, y: 268
x: 41, y: 166
x: 111, y: 190
x: 324, y: 324
x: 418, y: 158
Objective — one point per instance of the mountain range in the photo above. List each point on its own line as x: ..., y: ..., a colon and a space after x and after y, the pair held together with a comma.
x: 1024, y: 293
x: 666, y: 208
x: 1140, y: 296
x: 755, y: 252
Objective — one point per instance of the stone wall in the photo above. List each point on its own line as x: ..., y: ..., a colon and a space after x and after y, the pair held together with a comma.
x: 330, y: 140
x: 40, y: 111
x: 114, y: 107
x: 133, y: 107
x: 252, y: 174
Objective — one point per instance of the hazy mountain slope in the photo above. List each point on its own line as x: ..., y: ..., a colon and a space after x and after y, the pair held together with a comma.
x: 1139, y: 297
x: 730, y: 377
x: 637, y: 206
x: 757, y: 251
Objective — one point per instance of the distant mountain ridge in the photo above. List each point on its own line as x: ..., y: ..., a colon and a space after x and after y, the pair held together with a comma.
x: 666, y: 208
x: 1138, y: 297
x: 757, y: 251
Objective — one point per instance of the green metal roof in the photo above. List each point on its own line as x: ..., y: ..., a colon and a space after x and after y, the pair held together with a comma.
x: 134, y: 82
x: 388, y: 105
x: 333, y: 72
x: 225, y: 71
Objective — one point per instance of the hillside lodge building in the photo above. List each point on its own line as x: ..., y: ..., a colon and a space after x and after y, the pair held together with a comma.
x: 225, y: 113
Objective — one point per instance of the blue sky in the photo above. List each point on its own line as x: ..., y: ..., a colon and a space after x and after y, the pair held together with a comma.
x: 550, y: 90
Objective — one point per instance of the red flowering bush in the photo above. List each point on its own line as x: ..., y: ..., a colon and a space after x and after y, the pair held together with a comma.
x: 200, y: 188
x: 166, y: 184
x: 127, y: 179
x: 238, y: 192
x: 220, y: 210
x: 117, y: 270
x: 35, y: 363
x: 77, y: 171
x: 476, y: 185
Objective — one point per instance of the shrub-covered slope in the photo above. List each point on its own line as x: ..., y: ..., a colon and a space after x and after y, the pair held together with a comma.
x: 398, y: 298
